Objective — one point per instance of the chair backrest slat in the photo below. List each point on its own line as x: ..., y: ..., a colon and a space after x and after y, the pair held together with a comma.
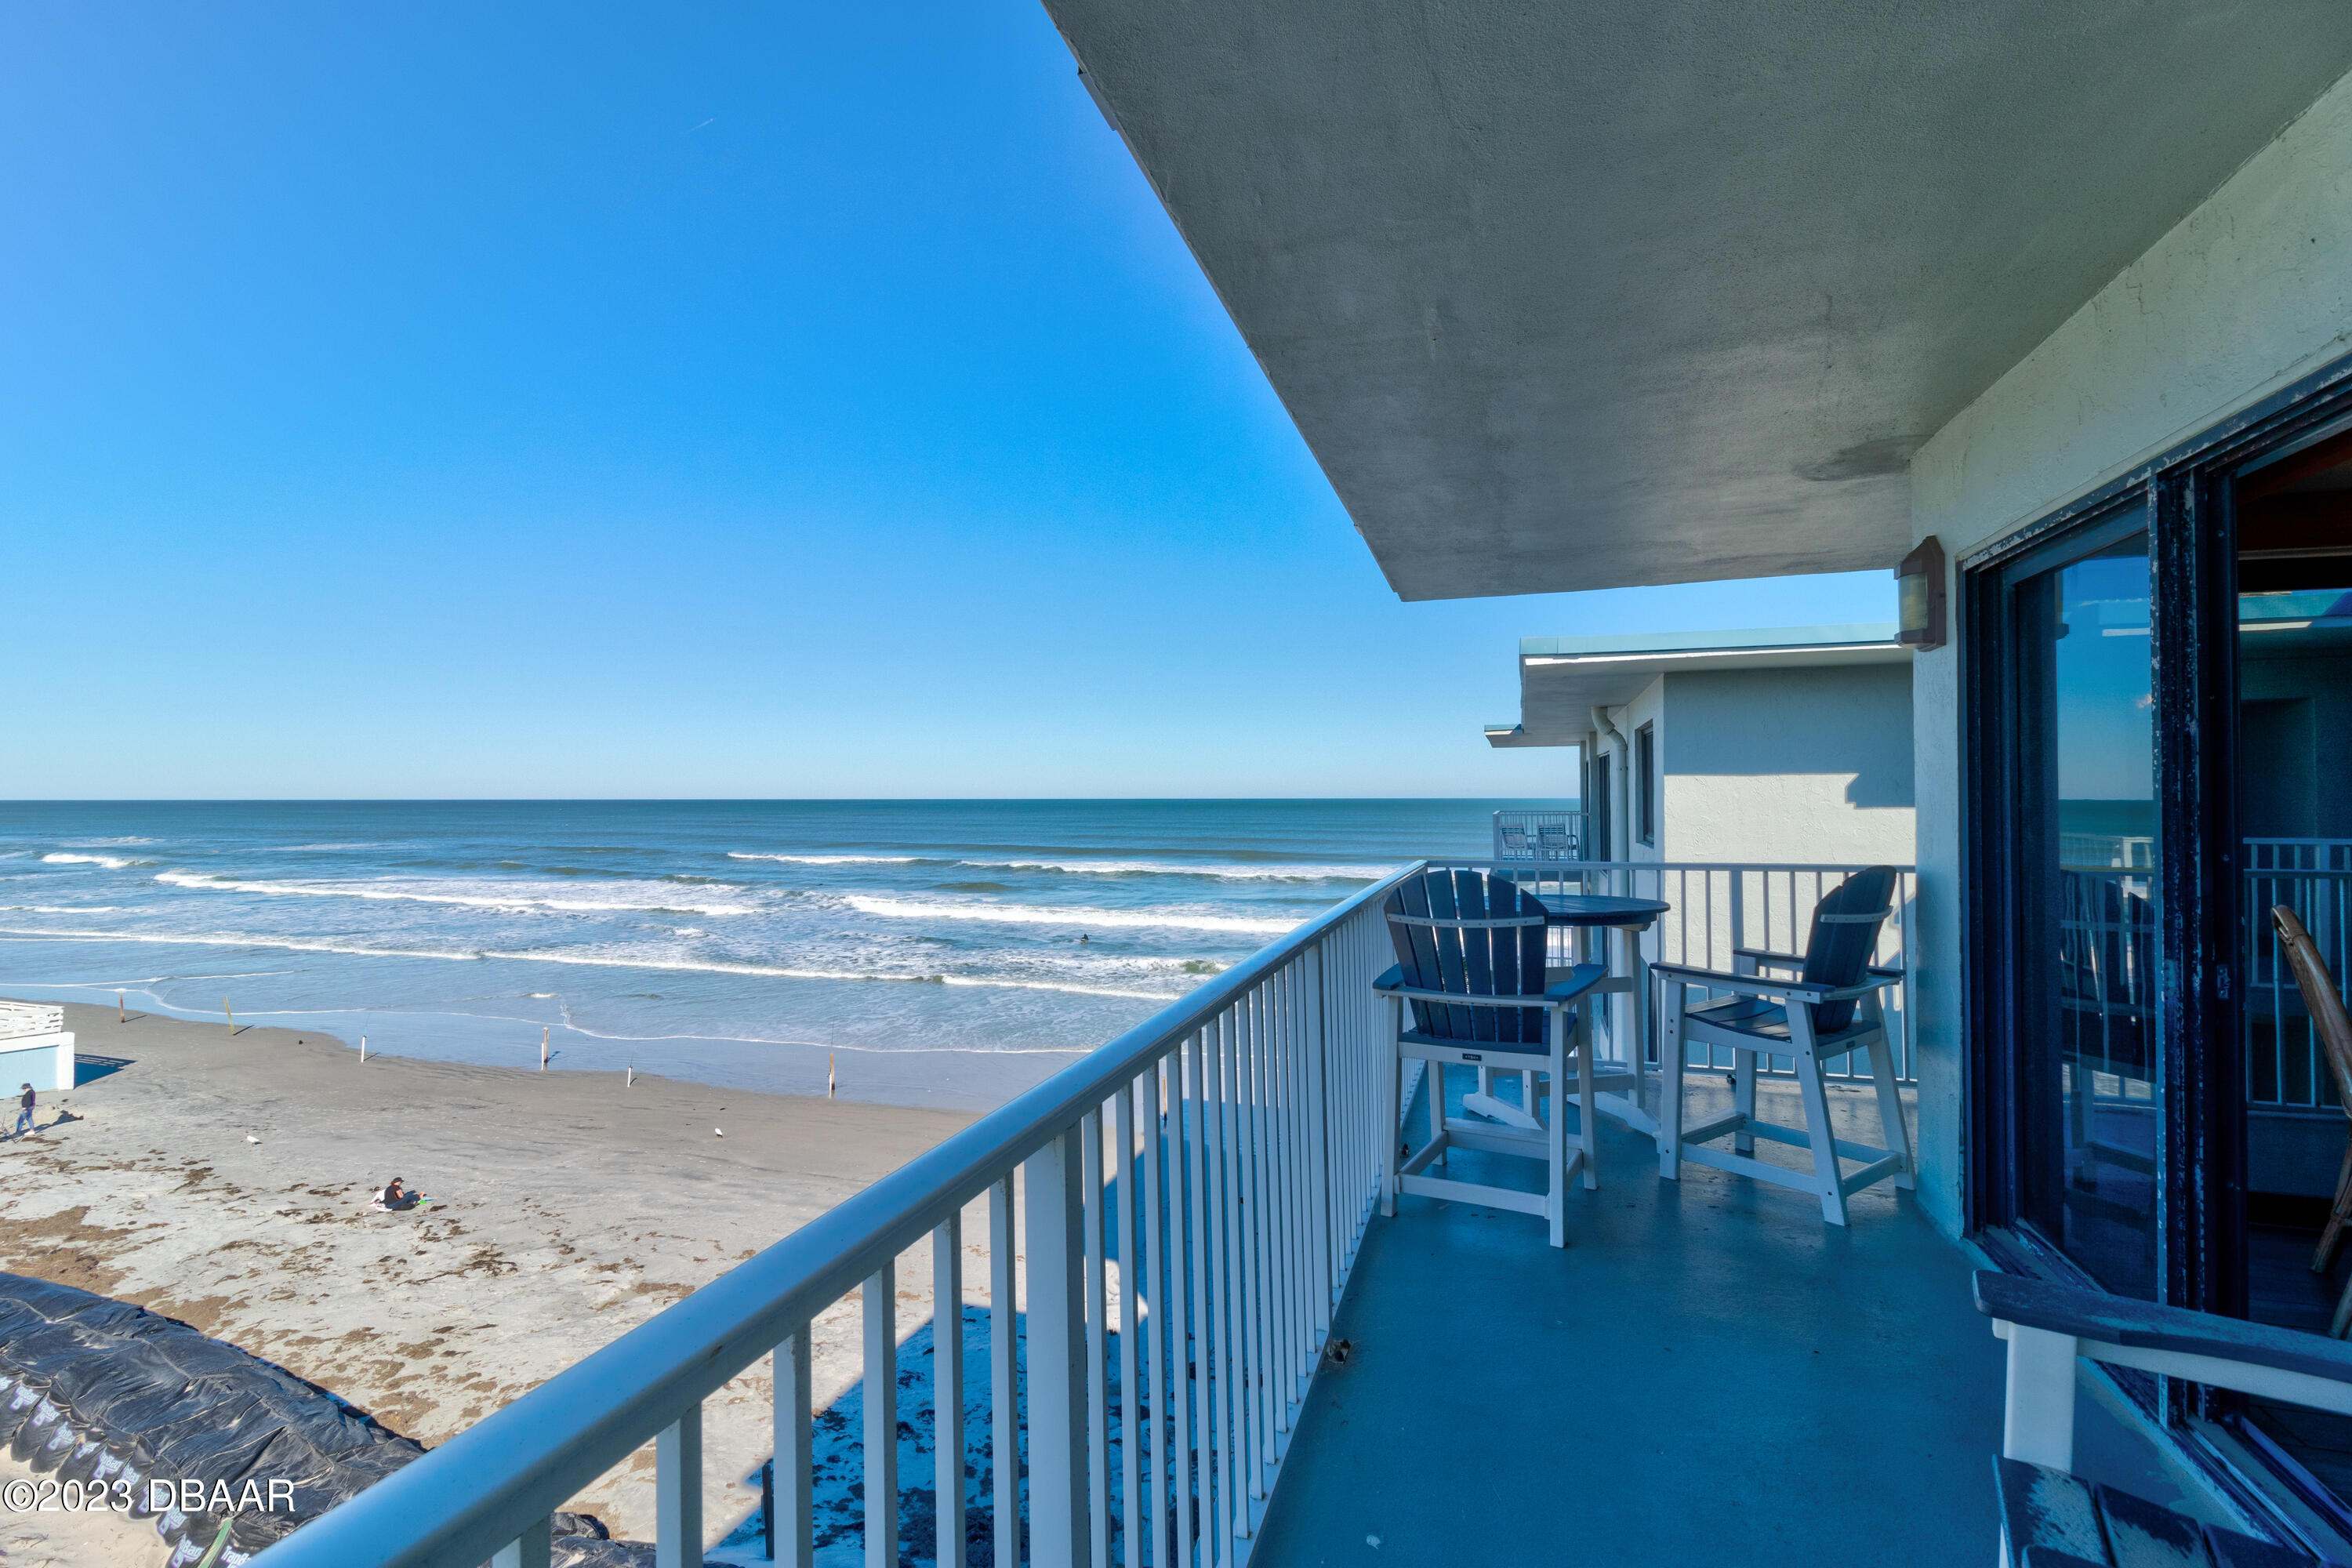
x: 2320, y: 997
x: 1469, y: 935
x: 1845, y: 937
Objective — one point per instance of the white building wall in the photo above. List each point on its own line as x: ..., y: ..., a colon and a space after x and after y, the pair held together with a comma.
x: 1790, y: 764
x: 2246, y: 295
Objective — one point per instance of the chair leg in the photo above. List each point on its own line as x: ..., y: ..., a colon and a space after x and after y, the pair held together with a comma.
x: 1670, y: 1083
x: 1743, y: 1096
x: 1434, y: 1085
x: 2337, y: 1216
x: 1819, y: 1134
x: 1555, y: 1141
x: 1890, y: 1110
x: 1391, y: 1113
x: 1588, y: 1121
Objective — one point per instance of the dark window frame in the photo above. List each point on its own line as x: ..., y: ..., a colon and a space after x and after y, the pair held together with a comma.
x: 1645, y: 770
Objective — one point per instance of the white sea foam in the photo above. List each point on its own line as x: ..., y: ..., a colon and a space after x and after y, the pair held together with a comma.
x: 1230, y: 871
x: 231, y: 939
x: 1041, y: 914
x: 1270, y: 872
x: 111, y: 862
x: 780, y: 972
x: 491, y: 898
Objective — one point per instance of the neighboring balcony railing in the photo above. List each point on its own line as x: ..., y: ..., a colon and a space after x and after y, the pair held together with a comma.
x: 1179, y: 1288
x: 21, y: 1018
x: 1540, y: 838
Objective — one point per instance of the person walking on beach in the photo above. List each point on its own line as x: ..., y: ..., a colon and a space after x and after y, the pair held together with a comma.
x: 24, y: 1112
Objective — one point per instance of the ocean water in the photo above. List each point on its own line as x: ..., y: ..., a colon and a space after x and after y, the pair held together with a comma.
x: 939, y: 953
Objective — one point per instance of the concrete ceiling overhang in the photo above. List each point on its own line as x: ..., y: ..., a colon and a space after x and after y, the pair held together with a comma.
x: 1641, y: 291
x: 1562, y: 680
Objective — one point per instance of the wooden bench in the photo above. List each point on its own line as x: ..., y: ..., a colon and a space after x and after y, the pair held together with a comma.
x: 2050, y: 1518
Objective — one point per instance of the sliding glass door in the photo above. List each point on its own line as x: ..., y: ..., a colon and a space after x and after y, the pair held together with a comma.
x: 2087, y: 1072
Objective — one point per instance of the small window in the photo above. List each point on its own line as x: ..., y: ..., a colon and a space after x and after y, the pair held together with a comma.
x: 1646, y: 783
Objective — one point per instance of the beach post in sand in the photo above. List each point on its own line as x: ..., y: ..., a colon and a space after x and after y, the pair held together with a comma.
x: 363, y: 1047
x: 828, y: 1075
x: 229, y: 1016
x: 632, y: 1079
x: 543, y: 1051
x: 118, y: 1007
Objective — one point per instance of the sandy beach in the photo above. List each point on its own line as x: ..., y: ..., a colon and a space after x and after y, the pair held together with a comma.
x: 224, y: 1180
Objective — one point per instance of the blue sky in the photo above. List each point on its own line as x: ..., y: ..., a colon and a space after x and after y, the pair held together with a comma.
x: 718, y: 400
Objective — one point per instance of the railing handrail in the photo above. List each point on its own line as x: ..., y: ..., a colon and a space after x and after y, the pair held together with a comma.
x: 460, y: 1503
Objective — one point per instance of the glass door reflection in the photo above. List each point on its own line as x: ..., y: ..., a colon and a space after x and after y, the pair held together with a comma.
x: 2091, y: 1073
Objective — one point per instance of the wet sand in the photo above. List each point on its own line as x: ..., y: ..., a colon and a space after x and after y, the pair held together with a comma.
x: 567, y: 1209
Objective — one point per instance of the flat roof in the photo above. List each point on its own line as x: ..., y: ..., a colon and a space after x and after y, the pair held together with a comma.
x: 1563, y: 680
x: 1567, y: 296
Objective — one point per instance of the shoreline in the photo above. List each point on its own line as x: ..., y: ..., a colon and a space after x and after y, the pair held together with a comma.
x: 946, y: 1080
x: 223, y: 1180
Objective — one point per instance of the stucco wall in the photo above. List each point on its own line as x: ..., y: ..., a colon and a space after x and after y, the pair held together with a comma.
x: 1790, y: 764
x: 2249, y: 292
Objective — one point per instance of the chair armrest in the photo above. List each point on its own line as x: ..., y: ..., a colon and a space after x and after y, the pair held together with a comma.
x: 1765, y: 956
x: 1581, y: 979
x: 1743, y: 984
x: 2144, y: 1325
x: 1765, y: 985
x: 1391, y: 983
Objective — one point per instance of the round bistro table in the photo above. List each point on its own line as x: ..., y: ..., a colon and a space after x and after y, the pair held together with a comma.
x: 1593, y: 914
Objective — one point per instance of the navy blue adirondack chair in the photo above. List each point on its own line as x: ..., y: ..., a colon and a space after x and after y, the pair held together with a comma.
x: 1468, y: 990
x: 1829, y: 1008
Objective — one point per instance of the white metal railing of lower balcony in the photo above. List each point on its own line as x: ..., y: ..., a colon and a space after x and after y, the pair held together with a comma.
x: 2285, y: 1063
x: 20, y: 1018
x: 1179, y: 1283
x: 1716, y: 910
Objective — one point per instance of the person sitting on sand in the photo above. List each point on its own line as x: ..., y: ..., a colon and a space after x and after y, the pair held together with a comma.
x: 24, y: 1112
x: 394, y: 1198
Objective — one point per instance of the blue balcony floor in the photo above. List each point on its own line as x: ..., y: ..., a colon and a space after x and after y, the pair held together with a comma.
x: 1706, y: 1375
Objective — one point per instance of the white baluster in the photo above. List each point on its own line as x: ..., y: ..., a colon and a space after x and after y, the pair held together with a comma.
x: 882, y: 1417
x: 1090, y: 1187
x: 947, y: 1388
x: 533, y: 1549
x: 1131, y: 1325
x: 1003, y: 1379
x: 1055, y: 1222
x: 678, y: 1492
x: 793, y: 1526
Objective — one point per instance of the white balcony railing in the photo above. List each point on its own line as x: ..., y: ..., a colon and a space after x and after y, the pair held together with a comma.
x: 1178, y: 1285
x: 2285, y: 1065
x: 1717, y: 909
x: 21, y: 1018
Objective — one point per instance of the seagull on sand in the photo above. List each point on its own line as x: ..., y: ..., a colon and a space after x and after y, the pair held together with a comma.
x: 251, y: 1139
x: 721, y: 1132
